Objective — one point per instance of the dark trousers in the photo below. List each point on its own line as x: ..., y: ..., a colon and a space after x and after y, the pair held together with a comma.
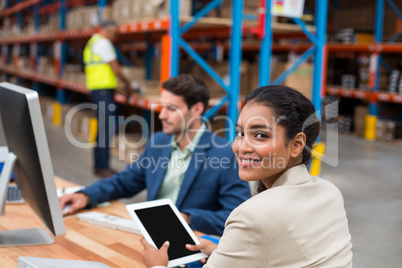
x: 106, y: 115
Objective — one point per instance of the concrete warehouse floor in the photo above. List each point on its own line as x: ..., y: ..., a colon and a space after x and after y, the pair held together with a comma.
x: 368, y: 175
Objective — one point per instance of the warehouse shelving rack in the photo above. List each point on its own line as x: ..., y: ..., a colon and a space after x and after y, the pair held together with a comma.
x: 375, y: 50
x: 174, y: 37
x: 316, y: 49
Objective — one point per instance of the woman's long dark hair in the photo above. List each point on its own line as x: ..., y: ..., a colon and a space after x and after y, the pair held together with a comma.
x: 297, y: 111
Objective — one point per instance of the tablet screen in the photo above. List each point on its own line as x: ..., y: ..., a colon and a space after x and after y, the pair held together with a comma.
x: 163, y: 225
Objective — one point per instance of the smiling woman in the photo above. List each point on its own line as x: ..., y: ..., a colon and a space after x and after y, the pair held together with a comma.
x: 277, y: 127
x: 296, y: 220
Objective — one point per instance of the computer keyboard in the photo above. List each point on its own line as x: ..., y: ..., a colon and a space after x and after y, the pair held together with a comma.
x: 33, y: 262
x: 14, y: 195
x: 109, y: 221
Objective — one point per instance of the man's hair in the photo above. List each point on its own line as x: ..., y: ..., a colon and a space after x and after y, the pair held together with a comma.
x: 108, y: 23
x: 192, y: 89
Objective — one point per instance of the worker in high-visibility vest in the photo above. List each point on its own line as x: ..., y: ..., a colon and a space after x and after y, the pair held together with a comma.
x: 102, y: 72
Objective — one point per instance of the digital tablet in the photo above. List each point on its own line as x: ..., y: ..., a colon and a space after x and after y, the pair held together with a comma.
x: 160, y: 221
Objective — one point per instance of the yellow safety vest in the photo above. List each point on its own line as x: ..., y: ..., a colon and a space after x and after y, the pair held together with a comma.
x: 99, y: 75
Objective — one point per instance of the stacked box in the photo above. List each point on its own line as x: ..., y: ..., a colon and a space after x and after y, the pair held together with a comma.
x: 29, y: 27
x: 364, y: 73
x: 82, y: 18
x: 348, y: 81
x: 151, y: 88
x: 394, y: 82
x: 359, y: 117
x: 300, y: 79
x: 128, y: 10
x: 46, y: 66
x: 250, y: 7
x: 24, y: 63
x: 51, y: 25
x: 136, y: 76
x: 134, y: 73
x: 386, y: 130
x: 163, y: 8
x: 345, y: 123
x: 74, y: 73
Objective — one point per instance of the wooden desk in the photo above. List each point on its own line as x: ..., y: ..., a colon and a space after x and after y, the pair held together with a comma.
x: 82, y: 241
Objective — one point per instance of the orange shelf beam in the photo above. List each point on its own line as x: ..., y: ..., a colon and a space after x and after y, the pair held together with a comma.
x: 357, y: 94
x: 389, y: 48
x: 135, y: 100
x: 18, y: 7
x: 372, y: 48
x: 350, y: 47
x: 144, y: 26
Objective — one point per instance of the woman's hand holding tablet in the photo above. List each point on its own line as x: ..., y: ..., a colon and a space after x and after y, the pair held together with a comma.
x: 161, y: 221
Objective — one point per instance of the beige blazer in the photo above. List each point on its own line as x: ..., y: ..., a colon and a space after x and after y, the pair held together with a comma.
x: 299, y: 222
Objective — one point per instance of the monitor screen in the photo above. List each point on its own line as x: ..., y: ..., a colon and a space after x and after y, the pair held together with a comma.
x: 26, y: 138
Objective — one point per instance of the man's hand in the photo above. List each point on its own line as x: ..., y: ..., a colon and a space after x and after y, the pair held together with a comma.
x: 205, y: 245
x: 76, y: 201
x: 154, y: 257
x: 186, y: 217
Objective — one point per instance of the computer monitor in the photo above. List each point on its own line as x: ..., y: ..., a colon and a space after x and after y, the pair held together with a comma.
x: 33, y: 172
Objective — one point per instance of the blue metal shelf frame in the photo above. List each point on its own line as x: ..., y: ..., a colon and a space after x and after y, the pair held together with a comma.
x: 20, y: 24
x: 317, y: 50
x: 101, y: 6
x: 233, y: 87
x: 61, y: 94
x: 378, y: 32
x: 36, y: 86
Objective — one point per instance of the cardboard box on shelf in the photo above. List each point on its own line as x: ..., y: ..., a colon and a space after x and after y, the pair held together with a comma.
x: 81, y: 18
x: 128, y: 10
x: 386, y: 130
x: 89, y: 17
x: 134, y: 73
x: 364, y: 38
x: 151, y: 88
x: 107, y: 13
x: 250, y: 7
x: 359, y: 116
x: 125, y: 10
x: 72, y: 72
x: 163, y: 7
x: 136, y: 9
x: 149, y: 9
x: 299, y: 80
